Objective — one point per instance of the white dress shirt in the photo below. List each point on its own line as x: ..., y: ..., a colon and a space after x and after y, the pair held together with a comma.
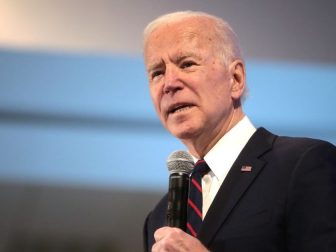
x: 222, y: 156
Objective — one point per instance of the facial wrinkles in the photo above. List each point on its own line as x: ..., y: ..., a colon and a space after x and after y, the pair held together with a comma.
x: 173, y: 43
x: 162, y: 53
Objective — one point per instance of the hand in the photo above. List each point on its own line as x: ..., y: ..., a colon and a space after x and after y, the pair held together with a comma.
x: 175, y: 240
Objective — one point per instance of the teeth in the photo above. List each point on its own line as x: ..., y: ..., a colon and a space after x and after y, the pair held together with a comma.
x: 182, y: 108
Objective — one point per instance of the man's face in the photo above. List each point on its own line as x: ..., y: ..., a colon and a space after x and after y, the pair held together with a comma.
x: 189, y: 85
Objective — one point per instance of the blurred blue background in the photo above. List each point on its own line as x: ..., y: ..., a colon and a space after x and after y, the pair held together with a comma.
x: 82, y: 153
x: 89, y: 119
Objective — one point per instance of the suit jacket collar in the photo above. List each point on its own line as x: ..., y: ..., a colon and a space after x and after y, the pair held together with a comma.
x: 236, y: 183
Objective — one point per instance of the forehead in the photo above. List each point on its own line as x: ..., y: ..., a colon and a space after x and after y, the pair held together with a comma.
x: 188, y: 34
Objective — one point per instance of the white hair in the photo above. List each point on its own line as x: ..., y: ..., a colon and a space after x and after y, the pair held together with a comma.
x: 227, y: 44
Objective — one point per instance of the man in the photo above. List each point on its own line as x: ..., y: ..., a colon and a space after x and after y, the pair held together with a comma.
x: 263, y: 192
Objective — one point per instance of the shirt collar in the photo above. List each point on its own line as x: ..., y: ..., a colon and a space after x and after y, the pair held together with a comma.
x: 222, y: 156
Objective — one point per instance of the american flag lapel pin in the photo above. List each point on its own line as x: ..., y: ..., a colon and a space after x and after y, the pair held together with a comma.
x: 246, y: 168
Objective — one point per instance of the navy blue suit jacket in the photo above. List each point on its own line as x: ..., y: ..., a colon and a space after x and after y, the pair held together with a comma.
x: 286, y: 203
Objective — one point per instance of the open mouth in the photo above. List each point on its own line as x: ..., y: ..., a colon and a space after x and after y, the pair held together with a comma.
x: 179, y: 108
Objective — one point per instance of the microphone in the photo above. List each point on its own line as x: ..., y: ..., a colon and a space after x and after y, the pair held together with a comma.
x: 180, y: 164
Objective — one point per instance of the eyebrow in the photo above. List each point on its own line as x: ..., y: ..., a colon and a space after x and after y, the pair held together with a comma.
x: 183, y: 56
x: 176, y: 59
x: 155, y: 65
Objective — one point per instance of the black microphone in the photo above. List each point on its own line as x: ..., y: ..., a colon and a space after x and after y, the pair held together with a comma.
x: 180, y: 164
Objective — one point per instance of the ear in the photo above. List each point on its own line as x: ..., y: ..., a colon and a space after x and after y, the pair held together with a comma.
x: 238, y: 79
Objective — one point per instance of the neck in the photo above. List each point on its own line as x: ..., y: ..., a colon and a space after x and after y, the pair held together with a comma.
x: 200, y: 146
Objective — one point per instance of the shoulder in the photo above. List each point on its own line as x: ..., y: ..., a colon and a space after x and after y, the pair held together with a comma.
x: 302, y: 143
x: 308, y: 149
x: 288, y: 155
x: 296, y: 146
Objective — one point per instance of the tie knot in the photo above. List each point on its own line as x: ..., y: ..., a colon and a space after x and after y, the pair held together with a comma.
x: 201, y: 167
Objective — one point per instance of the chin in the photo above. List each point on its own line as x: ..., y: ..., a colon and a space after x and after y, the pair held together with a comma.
x: 184, y: 127
x: 183, y: 132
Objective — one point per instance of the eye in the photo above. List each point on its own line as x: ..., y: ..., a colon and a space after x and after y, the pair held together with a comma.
x: 156, y: 74
x: 186, y: 64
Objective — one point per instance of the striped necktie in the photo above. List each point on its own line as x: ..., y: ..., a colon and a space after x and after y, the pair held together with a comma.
x: 195, y: 217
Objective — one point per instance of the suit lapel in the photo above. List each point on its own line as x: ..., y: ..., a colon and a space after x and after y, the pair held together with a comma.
x: 236, y: 183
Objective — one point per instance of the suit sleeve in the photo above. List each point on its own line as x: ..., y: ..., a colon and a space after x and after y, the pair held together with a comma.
x: 311, y: 205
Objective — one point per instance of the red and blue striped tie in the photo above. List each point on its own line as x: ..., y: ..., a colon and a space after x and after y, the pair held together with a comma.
x: 195, y: 200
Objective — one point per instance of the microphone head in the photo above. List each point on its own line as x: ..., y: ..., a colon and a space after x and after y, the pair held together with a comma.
x: 180, y: 161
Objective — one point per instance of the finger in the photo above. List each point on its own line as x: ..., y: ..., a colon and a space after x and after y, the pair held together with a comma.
x: 156, y: 247
x: 160, y: 233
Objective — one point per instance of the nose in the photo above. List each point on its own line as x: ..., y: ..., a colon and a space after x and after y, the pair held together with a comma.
x: 172, y: 81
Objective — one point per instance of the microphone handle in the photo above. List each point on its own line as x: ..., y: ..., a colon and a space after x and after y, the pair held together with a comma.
x: 178, y: 200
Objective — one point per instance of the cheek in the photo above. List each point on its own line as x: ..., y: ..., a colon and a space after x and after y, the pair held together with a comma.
x: 155, y: 94
x: 216, y: 98
x: 221, y: 88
